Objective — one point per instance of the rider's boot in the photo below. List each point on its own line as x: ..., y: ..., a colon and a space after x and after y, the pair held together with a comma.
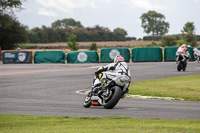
x: 124, y: 93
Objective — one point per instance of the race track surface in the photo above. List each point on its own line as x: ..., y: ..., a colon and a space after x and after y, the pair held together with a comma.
x: 50, y: 89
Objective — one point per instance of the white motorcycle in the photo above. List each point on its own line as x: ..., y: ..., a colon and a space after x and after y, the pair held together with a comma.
x: 196, y: 55
x: 108, y: 88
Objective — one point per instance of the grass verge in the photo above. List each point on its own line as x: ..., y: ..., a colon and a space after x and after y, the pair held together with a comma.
x: 53, y: 124
x: 185, y: 87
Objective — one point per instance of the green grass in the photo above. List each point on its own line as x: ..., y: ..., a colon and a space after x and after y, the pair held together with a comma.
x: 185, y: 87
x: 65, y: 124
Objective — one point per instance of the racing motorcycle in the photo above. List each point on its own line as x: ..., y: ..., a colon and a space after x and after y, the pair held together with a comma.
x: 108, y: 88
x: 181, y: 61
x: 196, y: 55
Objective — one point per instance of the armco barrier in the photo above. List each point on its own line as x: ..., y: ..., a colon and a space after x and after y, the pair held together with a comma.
x: 16, y: 57
x: 108, y: 54
x: 149, y: 54
x: 83, y: 57
x: 49, y: 57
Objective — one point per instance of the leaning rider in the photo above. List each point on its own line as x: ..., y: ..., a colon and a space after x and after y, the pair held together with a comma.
x: 183, y: 50
x: 119, y: 66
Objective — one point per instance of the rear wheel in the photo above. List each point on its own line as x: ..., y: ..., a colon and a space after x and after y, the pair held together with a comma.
x: 114, y: 98
x: 179, y: 65
x: 184, y: 65
x: 87, y: 101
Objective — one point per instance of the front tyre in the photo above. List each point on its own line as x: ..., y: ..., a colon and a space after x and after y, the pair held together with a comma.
x: 114, y: 98
x: 87, y: 101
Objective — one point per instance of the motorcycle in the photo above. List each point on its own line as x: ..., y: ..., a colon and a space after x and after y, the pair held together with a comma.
x: 108, y: 88
x: 197, y: 55
x: 181, y: 61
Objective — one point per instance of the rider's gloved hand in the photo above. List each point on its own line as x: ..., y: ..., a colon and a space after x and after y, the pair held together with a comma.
x: 99, y: 70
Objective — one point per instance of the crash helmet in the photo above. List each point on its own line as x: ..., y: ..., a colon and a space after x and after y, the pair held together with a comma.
x: 185, y: 49
x: 118, y: 58
x: 184, y: 45
x: 195, y: 49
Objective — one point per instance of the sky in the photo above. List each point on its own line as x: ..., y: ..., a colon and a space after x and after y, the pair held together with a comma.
x: 111, y: 14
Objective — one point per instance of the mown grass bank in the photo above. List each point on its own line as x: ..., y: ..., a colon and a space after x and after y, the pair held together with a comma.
x: 184, y: 87
x: 52, y: 124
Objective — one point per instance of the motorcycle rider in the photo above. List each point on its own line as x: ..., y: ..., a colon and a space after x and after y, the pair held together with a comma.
x: 183, y: 50
x: 118, y: 67
x: 196, y: 53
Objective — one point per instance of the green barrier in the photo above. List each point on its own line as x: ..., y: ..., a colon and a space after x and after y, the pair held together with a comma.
x: 198, y: 48
x: 190, y: 50
x: 83, y: 57
x: 108, y: 54
x: 153, y: 54
x: 170, y: 53
x: 49, y: 57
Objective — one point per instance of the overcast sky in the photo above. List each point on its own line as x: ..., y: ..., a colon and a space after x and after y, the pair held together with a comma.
x: 111, y: 13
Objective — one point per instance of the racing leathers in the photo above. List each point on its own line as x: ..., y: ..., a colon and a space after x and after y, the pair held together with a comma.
x: 183, y: 51
x: 120, y: 68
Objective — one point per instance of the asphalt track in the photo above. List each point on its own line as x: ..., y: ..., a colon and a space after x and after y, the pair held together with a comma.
x: 50, y: 89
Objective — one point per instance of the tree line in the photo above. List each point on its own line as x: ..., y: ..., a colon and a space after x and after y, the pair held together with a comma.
x: 61, y: 31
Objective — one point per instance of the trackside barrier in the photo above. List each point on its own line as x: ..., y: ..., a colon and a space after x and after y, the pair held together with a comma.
x: 49, y: 57
x: 16, y: 57
x: 83, y: 57
x: 190, y: 50
x: 170, y: 53
x: 108, y: 54
x: 149, y: 54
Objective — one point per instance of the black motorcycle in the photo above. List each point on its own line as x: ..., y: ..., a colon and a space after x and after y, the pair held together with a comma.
x: 181, y: 61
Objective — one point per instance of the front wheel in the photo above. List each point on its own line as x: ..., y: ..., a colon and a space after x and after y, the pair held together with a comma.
x: 114, y: 98
x: 87, y: 101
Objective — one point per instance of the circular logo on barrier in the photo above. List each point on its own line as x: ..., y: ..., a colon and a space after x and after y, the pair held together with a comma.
x: 21, y: 56
x: 113, y: 53
x: 82, y: 56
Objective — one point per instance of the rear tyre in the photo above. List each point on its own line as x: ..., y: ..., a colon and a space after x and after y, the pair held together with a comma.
x: 179, y: 66
x: 114, y: 99
x: 87, y: 101
x: 184, y: 68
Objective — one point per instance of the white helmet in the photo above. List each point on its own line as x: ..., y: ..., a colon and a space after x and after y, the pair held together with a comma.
x: 184, y: 45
